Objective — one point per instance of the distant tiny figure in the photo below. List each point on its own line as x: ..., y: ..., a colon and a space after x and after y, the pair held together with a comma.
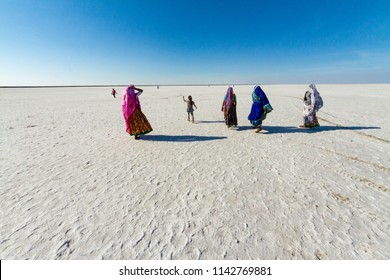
x: 229, y: 108
x: 190, y: 107
x: 260, y: 108
x: 312, y: 102
x: 113, y: 92
x: 136, y: 122
x: 158, y: 87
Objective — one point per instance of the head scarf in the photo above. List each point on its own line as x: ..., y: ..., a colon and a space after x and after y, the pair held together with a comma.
x: 130, y: 102
x: 229, y: 98
x: 258, y: 95
x: 315, y: 98
x: 260, y: 107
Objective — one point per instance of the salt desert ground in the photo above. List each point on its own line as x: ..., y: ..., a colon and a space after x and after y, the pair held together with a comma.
x: 74, y: 185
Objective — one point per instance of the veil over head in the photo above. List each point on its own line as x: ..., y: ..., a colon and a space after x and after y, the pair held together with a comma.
x: 130, y: 102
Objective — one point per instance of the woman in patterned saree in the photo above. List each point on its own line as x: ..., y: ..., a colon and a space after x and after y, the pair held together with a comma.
x: 136, y: 122
x: 229, y: 108
x: 260, y: 108
x: 312, y: 102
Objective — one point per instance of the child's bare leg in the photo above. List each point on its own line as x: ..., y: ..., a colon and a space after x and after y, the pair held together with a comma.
x: 192, y: 115
x: 188, y: 116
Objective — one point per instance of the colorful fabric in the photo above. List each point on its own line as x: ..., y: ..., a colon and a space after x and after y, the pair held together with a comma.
x: 229, y: 107
x: 260, y: 107
x: 231, y: 116
x: 130, y: 102
x: 312, y: 103
x: 138, y: 124
x: 228, y: 99
x: 130, y: 107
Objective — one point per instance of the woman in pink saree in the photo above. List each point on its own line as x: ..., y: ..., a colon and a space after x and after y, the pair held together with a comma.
x: 136, y: 122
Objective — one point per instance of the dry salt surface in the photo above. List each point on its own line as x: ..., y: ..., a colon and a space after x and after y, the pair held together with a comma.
x: 74, y: 185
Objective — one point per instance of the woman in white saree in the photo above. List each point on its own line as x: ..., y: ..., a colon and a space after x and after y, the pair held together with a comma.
x: 312, y: 103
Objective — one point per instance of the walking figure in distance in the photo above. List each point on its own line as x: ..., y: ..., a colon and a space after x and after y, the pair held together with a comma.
x: 113, y: 92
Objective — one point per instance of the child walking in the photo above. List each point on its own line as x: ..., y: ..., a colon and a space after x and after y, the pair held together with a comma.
x: 113, y: 92
x: 190, y: 107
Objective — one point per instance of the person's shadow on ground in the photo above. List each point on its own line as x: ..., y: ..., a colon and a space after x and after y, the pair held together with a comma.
x: 209, y: 121
x: 180, y: 138
x: 266, y: 130
x: 292, y: 129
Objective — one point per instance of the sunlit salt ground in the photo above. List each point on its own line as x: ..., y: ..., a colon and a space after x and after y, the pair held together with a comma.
x: 74, y: 185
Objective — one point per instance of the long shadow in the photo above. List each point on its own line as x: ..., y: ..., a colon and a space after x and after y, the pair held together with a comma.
x: 210, y: 121
x: 292, y: 129
x: 245, y: 127
x: 180, y: 138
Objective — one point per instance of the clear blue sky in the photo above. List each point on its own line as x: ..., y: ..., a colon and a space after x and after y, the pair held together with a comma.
x: 72, y: 42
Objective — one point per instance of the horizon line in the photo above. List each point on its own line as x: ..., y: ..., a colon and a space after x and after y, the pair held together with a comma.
x: 174, y: 85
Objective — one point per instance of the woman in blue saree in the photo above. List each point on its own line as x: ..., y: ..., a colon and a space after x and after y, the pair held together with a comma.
x: 260, y: 108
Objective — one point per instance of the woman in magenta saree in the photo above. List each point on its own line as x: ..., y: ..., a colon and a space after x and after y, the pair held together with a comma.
x: 136, y: 122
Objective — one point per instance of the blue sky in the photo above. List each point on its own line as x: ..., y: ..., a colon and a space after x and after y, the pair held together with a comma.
x: 73, y: 42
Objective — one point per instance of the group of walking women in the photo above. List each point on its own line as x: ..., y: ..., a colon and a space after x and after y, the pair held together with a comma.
x: 137, y: 124
x: 261, y: 107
